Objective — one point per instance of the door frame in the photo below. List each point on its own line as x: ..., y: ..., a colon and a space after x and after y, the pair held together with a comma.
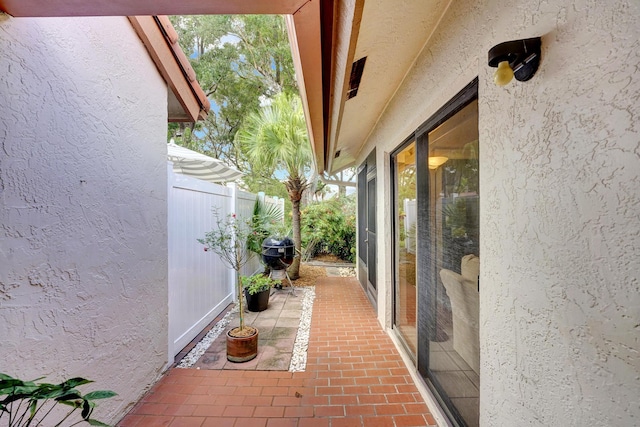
x: 426, y: 298
x: 394, y: 240
x: 367, y: 240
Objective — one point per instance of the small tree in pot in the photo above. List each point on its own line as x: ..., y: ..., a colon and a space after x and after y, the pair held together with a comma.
x: 228, y: 239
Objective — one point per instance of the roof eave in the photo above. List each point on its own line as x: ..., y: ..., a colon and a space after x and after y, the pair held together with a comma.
x: 308, y: 37
x: 323, y: 74
x: 161, y: 40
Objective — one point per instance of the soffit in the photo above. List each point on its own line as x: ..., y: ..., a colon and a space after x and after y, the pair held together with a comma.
x: 391, y: 35
x: 34, y: 8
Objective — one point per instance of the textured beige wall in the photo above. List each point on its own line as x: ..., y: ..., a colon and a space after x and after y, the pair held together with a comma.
x: 560, y: 204
x: 83, y: 215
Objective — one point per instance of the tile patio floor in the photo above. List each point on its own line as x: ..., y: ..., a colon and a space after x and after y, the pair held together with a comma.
x: 277, y: 326
x: 354, y: 378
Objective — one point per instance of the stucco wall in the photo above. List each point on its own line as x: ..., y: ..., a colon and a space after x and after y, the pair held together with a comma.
x: 83, y: 215
x: 560, y: 204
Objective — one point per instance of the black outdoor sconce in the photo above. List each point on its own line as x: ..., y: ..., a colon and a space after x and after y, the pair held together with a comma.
x: 516, y: 58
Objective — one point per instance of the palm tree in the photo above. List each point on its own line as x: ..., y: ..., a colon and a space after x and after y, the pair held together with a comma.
x: 275, y: 139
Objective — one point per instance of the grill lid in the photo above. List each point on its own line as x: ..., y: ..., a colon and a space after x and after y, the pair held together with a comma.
x: 278, y: 253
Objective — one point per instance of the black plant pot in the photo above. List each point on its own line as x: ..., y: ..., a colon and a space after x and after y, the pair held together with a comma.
x: 259, y: 301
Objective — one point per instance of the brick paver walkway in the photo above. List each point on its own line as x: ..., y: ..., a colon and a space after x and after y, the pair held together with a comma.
x: 354, y: 378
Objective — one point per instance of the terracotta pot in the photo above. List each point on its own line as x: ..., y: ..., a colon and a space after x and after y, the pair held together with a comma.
x: 257, y: 302
x: 242, y: 349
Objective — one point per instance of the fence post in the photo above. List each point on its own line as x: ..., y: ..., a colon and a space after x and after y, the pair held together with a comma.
x: 281, y: 203
x: 234, y: 210
x: 170, y: 219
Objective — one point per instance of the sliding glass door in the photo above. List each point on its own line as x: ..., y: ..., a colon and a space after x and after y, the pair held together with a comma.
x: 405, y: 220
x: 436, y: 253
x: 453, y: 264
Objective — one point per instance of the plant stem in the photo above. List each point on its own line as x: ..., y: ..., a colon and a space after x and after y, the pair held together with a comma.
x: 24, y: 414
x: 239, y: 290
x: 66, y: 416
x: 47, y: 413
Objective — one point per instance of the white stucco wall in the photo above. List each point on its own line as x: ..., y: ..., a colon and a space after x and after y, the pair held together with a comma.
x: 83, y: 206
x: 560, y: 204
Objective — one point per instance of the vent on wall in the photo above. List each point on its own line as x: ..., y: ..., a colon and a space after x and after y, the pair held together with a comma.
x: 356, y: 75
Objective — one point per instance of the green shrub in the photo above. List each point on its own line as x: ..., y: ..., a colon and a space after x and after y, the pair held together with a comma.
x: 330, y: 227
x: 257, y: 283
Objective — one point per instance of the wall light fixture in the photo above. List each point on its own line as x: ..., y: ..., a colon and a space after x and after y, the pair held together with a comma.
x: 437, y: 161
x: 516, y: 58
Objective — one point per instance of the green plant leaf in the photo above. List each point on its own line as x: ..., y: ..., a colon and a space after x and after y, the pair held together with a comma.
x: 48, y: 391
x: 73, y: 395
x: 74, y: 382
x: 86, y: 409
x: 100, y: 394
x: 75, y: 403
x: 13, y: 397
x: 97, y: 423
x: 8, y: 385
x: 33, y: 407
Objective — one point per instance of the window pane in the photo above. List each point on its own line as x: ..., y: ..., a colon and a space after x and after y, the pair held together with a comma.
x: 454, y: 349
x: 405, y: 245
x: 362, y: 213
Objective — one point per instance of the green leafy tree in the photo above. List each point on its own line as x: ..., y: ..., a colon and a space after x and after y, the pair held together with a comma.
x: 276, y: 142
x: 240, y: 61
x: 321, y: 190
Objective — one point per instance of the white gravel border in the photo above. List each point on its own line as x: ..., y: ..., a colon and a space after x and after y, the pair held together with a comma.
x: 196, y: 352
x: 300, y: 346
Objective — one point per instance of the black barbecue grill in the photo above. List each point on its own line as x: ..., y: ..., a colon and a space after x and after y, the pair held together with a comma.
x: 277, y: 253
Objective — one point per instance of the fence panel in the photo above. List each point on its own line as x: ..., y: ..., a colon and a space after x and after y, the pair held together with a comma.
x: 274, y: 201
x: 245, y: 203
x: 244, y: 210
x: 200, y: 285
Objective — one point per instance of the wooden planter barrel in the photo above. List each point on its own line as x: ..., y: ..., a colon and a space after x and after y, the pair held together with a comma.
x: 242, y: 349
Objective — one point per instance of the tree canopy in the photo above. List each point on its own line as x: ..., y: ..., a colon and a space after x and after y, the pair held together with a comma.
x: 241, y: 62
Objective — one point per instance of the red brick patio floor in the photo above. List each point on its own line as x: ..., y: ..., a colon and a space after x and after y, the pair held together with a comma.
x: 354, y: 378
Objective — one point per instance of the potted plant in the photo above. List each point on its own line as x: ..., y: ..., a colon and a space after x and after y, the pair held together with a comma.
x: 257, y: 289
x: 25, y: 403
x: 228, y: 239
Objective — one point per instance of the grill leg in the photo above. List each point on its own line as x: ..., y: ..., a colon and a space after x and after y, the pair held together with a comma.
x: 292, y: 289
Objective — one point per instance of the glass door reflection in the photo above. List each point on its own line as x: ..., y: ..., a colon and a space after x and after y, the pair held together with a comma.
x: 454, y: 263
x: 405, y: 220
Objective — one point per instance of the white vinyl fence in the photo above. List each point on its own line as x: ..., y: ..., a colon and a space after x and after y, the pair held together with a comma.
x: 200, y: 285
x: 245, y: 203
x: 244, y: 209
